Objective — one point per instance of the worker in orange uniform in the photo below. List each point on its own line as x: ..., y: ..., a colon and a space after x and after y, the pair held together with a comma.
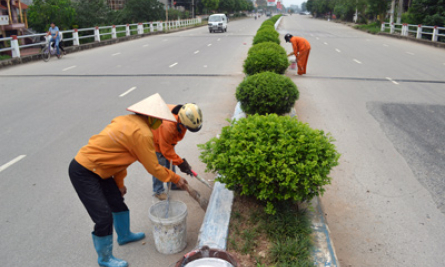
x: 99, y: 168
x: 189, y: 117
x: 301, y: 48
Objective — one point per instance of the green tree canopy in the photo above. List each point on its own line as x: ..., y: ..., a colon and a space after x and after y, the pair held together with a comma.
x: 211, y: 4
x: 427, y: 12
x: 92, y: 13
x: 142, y: 10
x: 43, y: 12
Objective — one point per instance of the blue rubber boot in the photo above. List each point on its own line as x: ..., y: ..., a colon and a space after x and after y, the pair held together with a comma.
x: 122, y: 226
x: 104, y: 248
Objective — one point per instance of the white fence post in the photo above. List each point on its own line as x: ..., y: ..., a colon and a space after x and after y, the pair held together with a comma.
x: 382, y: 29
x: 419, y: 31
x: 96, y: 34
x: 435, y: 32
x: 75, y: 37
x: 127, y: 30
x: 140, y: 28
x: 113, y: 32
x: 392, y: 28
x: 404, y: 29
x: 151, y: 27
x: 15, y: 46
x: 161, y: 26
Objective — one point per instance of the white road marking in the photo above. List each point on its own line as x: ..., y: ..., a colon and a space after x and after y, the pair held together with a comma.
x: 219, y: 39
x: 209, y: 44
x: 357, y: 61
x: 391, y: 80
x: 312, y: 34
x: 325, y: 43
x: 196, y: 52
x: 338, y: 50
x: 145, y: 45
x: 72, y: 67
x: 128, y: 91
x: 116, y: 54
x: 317, y: 38
x: 174, y: 64
x: 17, y: 159
x: 409, y: 53
x: 205, y: 66
x: 164, y: 40
x: 385, y: 45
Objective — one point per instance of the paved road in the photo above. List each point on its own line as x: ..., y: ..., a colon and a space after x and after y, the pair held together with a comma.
x: 50, y: 111
x: 383, y: 99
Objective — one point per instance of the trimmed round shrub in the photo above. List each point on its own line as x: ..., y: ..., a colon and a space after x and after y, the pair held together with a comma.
x: 275, y: 18
x: 264, y: 27
x: 272, y: 158
x: 268, y: 57
x: 268, y: 22
x: 266, y: 36
x: 268, y: 30
x: 266, y: 93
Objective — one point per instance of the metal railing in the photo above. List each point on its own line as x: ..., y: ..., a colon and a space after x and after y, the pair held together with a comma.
x: 417, y: 31
x: 98, y: 33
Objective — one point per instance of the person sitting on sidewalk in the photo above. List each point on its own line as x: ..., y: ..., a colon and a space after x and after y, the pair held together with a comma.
x: 189, y: 117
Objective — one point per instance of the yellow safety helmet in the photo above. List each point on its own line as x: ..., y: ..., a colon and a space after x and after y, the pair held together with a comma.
x: 190, y: 116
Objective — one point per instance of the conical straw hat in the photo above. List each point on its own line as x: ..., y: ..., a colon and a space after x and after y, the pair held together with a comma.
x: 153, y: 106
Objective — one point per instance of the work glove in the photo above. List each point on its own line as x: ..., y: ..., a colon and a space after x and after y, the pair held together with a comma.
x: 185, y: 167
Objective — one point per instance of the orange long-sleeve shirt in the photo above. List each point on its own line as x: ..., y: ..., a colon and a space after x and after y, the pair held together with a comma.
x: 299, y: 44
x: 125, y: 140
x: 167, y: 136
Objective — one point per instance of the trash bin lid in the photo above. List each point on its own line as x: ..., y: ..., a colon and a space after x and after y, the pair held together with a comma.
x: 209, y: 262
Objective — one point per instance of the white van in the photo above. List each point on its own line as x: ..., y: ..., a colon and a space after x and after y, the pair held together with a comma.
x: 217, y: 22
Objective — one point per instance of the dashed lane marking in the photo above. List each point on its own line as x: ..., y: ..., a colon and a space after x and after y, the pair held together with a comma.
x: 338, y: 50
x: 209, y: 44
x: 69, y: 68
x: 385, y: 45
x: 409, y: 53
x: 357, y: 61
x: 391, y: 80
x: 174, y: 64
x: 9, y: 164
x: 145, y: 45
x: 196, y: 52
x: 127, y: 92
x: 115, y: 54
x: 325, y: 43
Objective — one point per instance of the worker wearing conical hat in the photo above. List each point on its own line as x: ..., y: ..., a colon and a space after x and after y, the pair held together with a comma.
x: 99, y: 168
x: 301, y: 48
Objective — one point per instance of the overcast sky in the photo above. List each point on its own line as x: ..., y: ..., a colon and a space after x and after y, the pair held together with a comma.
x: 292, y: 2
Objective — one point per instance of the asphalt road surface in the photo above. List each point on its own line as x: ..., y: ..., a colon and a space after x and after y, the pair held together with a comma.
x: 50, y: 111
x: 383, y: 100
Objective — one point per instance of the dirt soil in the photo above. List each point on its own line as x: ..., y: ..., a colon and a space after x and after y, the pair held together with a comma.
x: 244, y: 211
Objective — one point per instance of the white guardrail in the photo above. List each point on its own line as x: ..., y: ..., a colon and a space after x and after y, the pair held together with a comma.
x: 415, y: 30
x: 97, y: 33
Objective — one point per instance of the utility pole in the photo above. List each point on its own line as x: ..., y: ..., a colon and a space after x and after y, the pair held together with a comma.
x: 391, y: 18
x: 399, y: 11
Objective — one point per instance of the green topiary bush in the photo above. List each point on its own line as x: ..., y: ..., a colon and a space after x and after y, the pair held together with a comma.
x: 266, y: 36
x: 272, y: 158
x: 268, y: 30
x: 266, y: 93
x: 268, y: 57
x: 275, y: 18
x: 268, y: 22
x: 264, y: 27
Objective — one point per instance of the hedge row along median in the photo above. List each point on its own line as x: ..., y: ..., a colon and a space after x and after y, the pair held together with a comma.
x: 271, y: 162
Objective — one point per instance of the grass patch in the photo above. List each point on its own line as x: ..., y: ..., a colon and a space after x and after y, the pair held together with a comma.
x: 371, y: 28
x: 258, y: 239
x: 3, y: 57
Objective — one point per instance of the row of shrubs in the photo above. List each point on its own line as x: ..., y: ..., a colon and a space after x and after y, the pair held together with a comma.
x: 270, y: 157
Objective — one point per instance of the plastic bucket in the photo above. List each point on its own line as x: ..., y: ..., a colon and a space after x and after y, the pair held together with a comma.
x: 169, y: 233
x: 209, y: 262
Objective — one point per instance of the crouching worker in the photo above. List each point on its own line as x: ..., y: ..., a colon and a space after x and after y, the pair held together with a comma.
x: 99, y: 168
x: 189, y: 117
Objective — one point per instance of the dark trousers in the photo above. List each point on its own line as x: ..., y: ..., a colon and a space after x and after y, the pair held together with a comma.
x: 100, y: 197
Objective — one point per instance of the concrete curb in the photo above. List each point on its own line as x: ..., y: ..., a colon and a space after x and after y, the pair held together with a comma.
x: 214, y: 229
x: 73, y: 49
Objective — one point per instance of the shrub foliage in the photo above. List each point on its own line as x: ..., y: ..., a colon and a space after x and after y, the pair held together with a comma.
x: 272, y: 158
x: 267, y: 56
x: 266, y: 93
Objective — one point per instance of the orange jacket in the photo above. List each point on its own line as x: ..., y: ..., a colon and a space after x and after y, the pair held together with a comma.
x: 167, y: 136
x: 126, y: 139
x: 299, y: 44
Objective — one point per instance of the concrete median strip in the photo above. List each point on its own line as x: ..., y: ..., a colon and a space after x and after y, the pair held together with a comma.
x: 214, y: 229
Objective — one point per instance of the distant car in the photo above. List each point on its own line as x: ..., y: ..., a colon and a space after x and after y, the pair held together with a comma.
x: 217, y: 22
x: 268, y: 14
